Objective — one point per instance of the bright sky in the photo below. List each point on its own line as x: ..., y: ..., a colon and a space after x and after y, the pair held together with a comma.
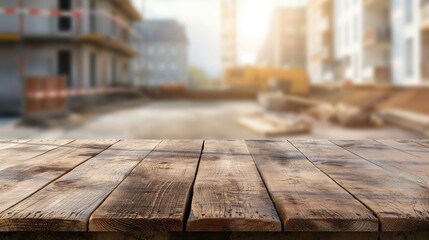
x: 202, y: 21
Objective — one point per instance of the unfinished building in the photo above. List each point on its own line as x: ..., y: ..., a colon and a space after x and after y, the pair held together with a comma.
x: 286, y: 43
x: 86, y: 41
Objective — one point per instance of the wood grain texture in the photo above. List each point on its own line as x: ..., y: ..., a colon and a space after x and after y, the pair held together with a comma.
x: 307, y: 199
x: 399, y: 204
x: 27, y: 177
x: 229, y: 194
x: 408, y: 146
x: 154, y: 197
x: 423, y: 142
x: 403, y: 164
x: 4, y: 143
x: 18, y: 153
x: 67, y: 203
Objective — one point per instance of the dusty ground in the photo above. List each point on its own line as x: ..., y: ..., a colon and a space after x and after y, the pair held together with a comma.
x: 182, y: 119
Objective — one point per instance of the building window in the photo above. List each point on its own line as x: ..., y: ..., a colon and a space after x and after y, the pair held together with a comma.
x: 65, y: 66
x: 161, y: 67
x: 410, y: 58
x: 149, y: 50
x: 93, y: 70
x: 161, y: 49
x: 113, y: 72
x: 149, y: 66
x: 65, y: 22
x: 409, y: 6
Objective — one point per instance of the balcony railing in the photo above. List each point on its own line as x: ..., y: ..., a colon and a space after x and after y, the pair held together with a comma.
x: 51, y: 24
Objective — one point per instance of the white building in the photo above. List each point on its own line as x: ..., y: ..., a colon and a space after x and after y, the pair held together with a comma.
x: 320, y: 41
x: 380, y: 41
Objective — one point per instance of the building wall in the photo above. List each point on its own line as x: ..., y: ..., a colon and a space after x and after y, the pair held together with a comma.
x: 320, y: 41
x: 398, y: 54
x: 348, y: 25
x: 285, y: 46
x: 406, y: 44
x: 42, y: 40
x: 165, y: 63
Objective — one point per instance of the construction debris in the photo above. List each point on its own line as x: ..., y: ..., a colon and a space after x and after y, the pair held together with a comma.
x: 272, y: 101
x: 407, y: 120
x: 274, y: 125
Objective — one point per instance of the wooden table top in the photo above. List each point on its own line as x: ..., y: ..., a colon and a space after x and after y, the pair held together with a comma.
x: 214, y: 186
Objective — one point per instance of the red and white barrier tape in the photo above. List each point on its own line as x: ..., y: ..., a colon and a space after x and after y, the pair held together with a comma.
x: 40, y: 12
x: 72, y: 93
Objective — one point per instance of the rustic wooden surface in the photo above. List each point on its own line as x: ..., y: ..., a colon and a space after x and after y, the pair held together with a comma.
x: 229, y: 193
x: 155, y: 195
x: 67, y: 203
x: 307, y: 199
x: 150, y: 189
x: 404, y: 164
x: 399, y: 204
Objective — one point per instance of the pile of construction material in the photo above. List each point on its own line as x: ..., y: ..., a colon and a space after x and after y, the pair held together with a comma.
x: 272, y: 101
x: 349, y: 116
x: 406, y: 119
x: 279, y: 101
x: 274, y: 125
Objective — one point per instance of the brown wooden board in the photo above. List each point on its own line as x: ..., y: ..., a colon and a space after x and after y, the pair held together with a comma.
x: 4, y: 143
x: 408, y: 146
x: 67, y: 203
x: 19, y: 153
x: 155, y: 196
x: 26, y: 177
x: 399, y: 204
x: 403, y: 164
x: 229, y: 194
x: 423, y: 142
x: 307, y: 199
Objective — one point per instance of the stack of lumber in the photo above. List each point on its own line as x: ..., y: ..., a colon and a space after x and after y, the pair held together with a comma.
x: 271, y: 125
x: 345, y: 115
x: 297, y: 103
x: 272, y: 101
x: 409, y: 120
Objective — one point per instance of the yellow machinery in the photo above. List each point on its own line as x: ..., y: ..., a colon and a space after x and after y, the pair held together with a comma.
x: 293, y: 81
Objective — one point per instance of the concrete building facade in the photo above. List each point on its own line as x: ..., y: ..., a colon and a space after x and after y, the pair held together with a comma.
x: 286, y: 42
x: 163, y: 54
x: 86, y: 41
x: 320, y: 41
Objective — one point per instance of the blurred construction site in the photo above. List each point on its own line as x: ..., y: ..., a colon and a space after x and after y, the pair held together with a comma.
x: 214, y: 69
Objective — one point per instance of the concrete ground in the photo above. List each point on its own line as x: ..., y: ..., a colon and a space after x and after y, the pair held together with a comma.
x: 182, y: 120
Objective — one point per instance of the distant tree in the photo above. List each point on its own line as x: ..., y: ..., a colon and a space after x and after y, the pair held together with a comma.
x: 142, y: 76
x: 198, y: 77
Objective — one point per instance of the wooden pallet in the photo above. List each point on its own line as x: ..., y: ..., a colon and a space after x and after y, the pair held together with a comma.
x: 295, y: 187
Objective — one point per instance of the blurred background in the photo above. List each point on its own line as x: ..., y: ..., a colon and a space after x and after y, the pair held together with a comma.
x: 214, y: 69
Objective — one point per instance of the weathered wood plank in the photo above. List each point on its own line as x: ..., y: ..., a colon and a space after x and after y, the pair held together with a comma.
x: 26, y: 177
x: 5, y: 143
x: 408, y: 146
x: 423, y: 142
x: 229, y: 194
x: 67, y: 203
x: 405, y: 165
x: 18, y: 153
x: 307, y: 199
x: 154, y: 197
x: 399, y: 204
